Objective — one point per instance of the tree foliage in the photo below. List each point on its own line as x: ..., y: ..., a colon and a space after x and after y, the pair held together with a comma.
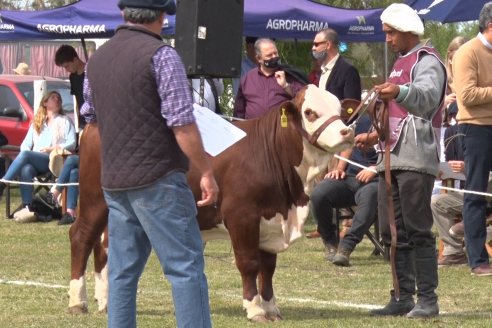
x: 33, y: 4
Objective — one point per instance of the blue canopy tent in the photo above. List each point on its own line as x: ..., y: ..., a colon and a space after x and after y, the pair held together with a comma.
x: 281, y: 19
x: 301, y: 19
x: 447, y: 11
x: 83, y: 19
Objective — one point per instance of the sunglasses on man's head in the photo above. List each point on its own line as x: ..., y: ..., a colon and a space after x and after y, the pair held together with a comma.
x: 318, y: 43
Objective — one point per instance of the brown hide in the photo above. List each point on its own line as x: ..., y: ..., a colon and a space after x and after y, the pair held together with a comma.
x: 85, y: 233
x: 256, y: 176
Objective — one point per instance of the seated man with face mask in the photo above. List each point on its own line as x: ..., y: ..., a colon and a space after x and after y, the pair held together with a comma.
x: 267, y: 85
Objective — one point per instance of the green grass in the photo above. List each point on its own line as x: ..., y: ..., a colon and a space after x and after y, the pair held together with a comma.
x: 310, y: 292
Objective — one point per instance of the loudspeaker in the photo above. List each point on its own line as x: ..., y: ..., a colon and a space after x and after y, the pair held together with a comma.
x: 209, y: 36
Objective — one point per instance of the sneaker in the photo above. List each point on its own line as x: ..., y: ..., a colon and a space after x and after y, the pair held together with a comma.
x: 458, y: 230
x: 453, y: 259
x: 482, y: 270
x: 67, y: 218
x: 48, y: 199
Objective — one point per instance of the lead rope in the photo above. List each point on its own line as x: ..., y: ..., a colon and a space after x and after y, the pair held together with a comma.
x: 389, y: 198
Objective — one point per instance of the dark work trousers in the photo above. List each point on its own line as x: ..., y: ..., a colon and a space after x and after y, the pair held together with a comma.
x: 412, y: 193
x: 330, y: 194
x: 477, y: 150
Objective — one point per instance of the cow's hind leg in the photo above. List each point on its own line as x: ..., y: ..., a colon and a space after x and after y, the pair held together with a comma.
x: 82, y: 239
x: 101, y: 272
x: 268, y: 262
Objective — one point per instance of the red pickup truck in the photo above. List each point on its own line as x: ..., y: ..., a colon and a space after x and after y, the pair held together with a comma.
x: 17, y: 96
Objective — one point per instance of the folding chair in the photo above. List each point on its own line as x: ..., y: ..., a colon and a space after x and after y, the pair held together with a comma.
x: 375, y: 237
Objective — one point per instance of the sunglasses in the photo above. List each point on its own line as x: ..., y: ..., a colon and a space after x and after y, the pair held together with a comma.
x: 318, y: 43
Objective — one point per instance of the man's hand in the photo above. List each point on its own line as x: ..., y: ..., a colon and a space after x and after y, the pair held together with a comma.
x: 457, y: 166
x: 336, y: 174
x: 364, y: 141
x: 280, y: 77
x: 210, y: 190
x: 387, y: 91
x: 366, y: 175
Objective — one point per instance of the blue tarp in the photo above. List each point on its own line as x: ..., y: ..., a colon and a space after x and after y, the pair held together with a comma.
x: 281, y: 19
x: 447, y: 11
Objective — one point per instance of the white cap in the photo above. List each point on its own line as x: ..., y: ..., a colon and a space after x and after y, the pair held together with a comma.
x: 403, y: 18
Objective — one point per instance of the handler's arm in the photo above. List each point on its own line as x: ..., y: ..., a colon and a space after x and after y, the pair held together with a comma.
x: 190, y: 142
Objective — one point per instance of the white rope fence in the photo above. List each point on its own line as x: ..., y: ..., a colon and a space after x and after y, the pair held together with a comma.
x: 37, y: 183
x: 463, y: 191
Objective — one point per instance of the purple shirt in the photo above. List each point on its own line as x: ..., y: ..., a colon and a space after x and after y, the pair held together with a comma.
x: 172, y: 85
x: 259, y: 93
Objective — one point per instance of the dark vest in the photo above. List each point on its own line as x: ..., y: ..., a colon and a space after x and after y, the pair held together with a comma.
x: 137, y: 146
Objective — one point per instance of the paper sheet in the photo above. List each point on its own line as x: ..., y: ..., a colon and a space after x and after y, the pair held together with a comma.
x: 217, y: 133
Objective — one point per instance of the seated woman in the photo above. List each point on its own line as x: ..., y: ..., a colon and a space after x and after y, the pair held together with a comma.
x: 68, y: 174
x: 50, y: 129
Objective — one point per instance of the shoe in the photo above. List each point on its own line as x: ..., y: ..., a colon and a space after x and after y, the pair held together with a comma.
x: 458, y: 230
x: 342, y: 257
x: 25, y: 216
x: 48, y: 199
x: 313, y: 234
x: 330, y: 252
x: 66, y: 218
x: 482, y: 270
x: 453, y: 259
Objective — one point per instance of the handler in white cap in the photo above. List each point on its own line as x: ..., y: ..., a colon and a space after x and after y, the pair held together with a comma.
x: 415, y: 92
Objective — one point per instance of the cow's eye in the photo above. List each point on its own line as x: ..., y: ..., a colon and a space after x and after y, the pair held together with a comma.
x: 310, y: 115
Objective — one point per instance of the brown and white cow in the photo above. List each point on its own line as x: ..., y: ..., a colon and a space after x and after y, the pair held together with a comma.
x: 264, y: 182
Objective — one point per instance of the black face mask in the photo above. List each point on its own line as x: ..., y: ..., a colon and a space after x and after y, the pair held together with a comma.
x: 272, y: 63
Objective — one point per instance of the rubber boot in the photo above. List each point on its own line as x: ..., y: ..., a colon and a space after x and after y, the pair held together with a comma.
x: 427, y: 281
x: 406, y: 279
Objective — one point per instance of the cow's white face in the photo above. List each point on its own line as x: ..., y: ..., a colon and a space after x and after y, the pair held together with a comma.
x: 319, y: 105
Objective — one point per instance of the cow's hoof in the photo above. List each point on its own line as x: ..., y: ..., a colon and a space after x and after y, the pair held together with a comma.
x: 103, y: 311
x: 260, y: 319
x: 77, y: 310
x: 274, y: 317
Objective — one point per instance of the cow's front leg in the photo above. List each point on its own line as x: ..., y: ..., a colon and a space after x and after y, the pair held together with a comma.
x: 245, y: 239
x: 249, y: 268
x: 268, y: 262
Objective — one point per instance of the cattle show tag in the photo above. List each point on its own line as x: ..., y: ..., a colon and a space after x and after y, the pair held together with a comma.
x: 283, y: 119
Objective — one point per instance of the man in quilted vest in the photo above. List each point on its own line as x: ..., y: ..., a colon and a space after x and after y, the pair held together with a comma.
x: 136, y: 89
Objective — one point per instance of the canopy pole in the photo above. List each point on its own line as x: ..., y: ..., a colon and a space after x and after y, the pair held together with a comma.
x: 84, y: 46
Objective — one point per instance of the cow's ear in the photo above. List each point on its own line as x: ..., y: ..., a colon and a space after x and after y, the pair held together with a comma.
x: 288, y: 112
x: 348, y: 107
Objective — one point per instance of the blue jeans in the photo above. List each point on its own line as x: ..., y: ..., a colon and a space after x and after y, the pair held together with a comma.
x: 161, y: 216
x: 330, y: 194
x: 70, y: 173
x: 477, y: 150
x: 27, y: 165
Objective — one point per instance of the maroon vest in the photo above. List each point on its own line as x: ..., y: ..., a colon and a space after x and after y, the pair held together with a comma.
x: 402, y: 74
